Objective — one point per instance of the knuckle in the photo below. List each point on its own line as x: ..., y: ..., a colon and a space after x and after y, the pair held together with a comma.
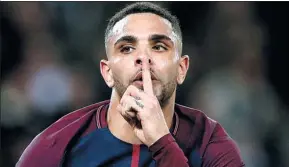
x: 131, y: 98
x: 130, y: 87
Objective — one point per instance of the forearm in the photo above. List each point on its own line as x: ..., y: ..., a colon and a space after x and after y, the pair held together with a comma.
x: 166, y: 152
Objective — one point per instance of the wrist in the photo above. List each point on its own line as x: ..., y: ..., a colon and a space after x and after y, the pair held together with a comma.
x: 161, y: 143
x: 160, y: 139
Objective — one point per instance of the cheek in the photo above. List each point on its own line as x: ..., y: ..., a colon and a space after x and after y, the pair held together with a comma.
x: 167, y: 71
x: 167, y: 60
x: 121, y: 68
x: 123, y: 63
x: 115, y: 61
x: 164, y: 64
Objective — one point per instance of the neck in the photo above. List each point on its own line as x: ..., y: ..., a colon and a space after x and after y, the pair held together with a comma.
x: 121, y: 129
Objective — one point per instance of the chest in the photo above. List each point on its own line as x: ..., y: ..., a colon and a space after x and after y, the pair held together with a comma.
x: 100, y: 148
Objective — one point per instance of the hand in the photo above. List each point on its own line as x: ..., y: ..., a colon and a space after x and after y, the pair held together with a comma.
x: 144, y: 107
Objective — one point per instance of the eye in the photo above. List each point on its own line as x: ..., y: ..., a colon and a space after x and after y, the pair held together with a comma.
x: 159, y: 48
x: 126, y: 49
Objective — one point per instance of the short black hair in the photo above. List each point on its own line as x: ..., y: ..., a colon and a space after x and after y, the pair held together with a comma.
x: 144, y: 7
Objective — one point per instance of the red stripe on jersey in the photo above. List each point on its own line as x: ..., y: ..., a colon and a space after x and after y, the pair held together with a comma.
x: 135, y: 155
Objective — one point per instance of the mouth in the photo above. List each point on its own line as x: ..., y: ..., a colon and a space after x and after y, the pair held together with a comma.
x: 138, y: 83
x: 138, y: 78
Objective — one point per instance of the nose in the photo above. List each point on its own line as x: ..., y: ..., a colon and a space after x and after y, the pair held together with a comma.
x: 143, y: 59
x: 140, y: 61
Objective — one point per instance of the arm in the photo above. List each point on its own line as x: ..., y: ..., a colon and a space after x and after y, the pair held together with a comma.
x: 219, y: 152
x: 166, y: 152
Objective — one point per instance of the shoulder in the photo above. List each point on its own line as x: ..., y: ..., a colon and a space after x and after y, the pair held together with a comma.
x: 71, y: 118
x: 63, y: 129
x: 222, y: 150
x: 203, y: 128
x: 197, y: 118
x: 212, y: 140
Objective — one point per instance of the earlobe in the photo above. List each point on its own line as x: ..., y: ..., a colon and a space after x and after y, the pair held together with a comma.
x: 106, y: 73
x: 183, y: 68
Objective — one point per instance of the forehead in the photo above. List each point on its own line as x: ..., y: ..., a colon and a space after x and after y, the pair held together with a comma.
x: 141, y: 25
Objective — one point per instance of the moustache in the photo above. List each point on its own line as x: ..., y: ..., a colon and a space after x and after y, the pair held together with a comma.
x: 138, y: 76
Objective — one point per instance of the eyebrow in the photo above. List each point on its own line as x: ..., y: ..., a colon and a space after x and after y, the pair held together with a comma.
x: 159, y: 37
x: 133, y: 39
x: 127, y: 38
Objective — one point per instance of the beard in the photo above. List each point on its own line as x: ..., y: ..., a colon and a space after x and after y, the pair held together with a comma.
x: 167, y: 89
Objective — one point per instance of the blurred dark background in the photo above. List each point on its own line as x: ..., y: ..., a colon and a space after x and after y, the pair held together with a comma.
x: 50, y: 53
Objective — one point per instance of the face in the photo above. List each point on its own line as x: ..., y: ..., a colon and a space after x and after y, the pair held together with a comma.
x: 144, y: 38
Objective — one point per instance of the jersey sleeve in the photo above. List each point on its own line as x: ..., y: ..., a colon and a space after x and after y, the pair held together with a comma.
x: 221, y: 151
x: 166, y: 152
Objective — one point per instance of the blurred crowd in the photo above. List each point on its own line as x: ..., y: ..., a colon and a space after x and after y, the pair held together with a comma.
x: 50, y: 53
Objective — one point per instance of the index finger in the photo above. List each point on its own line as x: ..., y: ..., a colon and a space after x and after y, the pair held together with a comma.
x: 146, y: 77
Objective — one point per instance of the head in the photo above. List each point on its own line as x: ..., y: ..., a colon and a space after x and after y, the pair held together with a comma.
x: 144, y: 33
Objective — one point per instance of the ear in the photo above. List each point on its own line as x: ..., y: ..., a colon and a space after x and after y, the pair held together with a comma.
x: 106, y: 73
x: 184, y: 63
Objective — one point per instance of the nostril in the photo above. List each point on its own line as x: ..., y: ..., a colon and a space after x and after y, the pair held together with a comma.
x: 138, y: 61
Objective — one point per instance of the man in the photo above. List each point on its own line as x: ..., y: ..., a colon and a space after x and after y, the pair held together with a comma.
x: 141, y: 125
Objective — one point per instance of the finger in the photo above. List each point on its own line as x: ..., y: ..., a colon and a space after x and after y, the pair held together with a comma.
x: 129, y: 111
x: 146, y: 77
x: 121, y: 110
x: 131, y: 114
x: 126, y: 115
x: 134, y: 92
x: 130, y: 106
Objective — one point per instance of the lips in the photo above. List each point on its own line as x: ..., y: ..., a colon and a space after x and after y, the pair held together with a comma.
x: 138, y: 77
